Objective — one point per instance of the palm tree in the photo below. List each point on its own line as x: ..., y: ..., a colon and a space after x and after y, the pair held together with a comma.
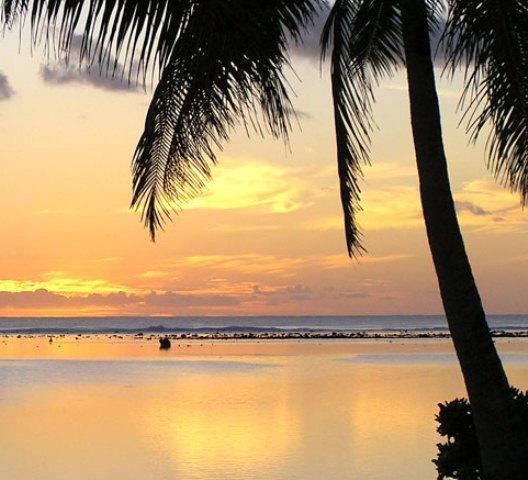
x: 222, y: 62
x: 502, y: 438
x: 371, y: 39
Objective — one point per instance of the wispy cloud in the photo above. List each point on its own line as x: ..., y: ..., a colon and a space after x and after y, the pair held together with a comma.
x: 6, y: 91
x: 277, y: 265
x: 240, y: 184
x: 391, y: 207
x: 107, y: 259
x: 338, y: 261
x: 471, y: 207
x: 481, y: 204
x: 245, y: 263
x: 60, y: 282
x: 153, y: 274
x: 484, y: 204
x: 381, y: 171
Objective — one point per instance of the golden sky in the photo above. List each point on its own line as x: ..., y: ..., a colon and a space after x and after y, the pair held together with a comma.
x: 265, y: 238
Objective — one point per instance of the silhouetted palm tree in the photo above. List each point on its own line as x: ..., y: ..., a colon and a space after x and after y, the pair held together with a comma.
x: 222, y: 62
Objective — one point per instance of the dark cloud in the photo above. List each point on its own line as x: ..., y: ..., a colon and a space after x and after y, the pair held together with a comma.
x: 63, y: 72
x: 472, y: 208
x: 300, y: 114
x: 293, y: 293
x: 6, y: 92
x: 310, y: 47
x: 169, y: 300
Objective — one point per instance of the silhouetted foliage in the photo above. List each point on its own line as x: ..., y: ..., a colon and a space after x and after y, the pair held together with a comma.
x: 459, y: 457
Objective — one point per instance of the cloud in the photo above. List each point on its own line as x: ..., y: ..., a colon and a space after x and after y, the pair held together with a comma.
x: 44, y: 299
x: 153, y: 274
x: 287, y: 294
x: 484, y: 204
x: 6, y: 92
x: 310, y: 47
x: 388, y: 201
x: 385, y: 171
x: 216, y: 296
x: 168, y: 302
x: 244, y: 263
x: 339, y: 261
x: 300, y: 114
x: 277, y: 265
x: 61, y: 73
x: 249, y: 184
x: 60, y: 282
x: 352, y: 295
x: 480, y: 204
x: 172, y: 299
x: 470, y: 207
x: 391, y: 207
x: 443, y: 92
x: 162, y: 302
x: 107, y: 259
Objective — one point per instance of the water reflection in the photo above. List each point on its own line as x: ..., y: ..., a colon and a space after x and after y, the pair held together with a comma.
x: 263, y: 416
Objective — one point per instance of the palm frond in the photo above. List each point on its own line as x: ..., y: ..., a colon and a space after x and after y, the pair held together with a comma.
x: 221, y: 62
x: 142, y: 31
x: 489, y: 40
x: 11, y: 9
x: 367, y: 45
x: 226, y: 68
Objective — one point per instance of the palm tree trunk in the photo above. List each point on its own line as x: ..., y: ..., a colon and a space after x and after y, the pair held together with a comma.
x: 502, y: 437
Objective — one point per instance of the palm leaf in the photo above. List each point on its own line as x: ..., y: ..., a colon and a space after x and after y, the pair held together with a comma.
x: 11, y: 10
x: 367, y: 45
x: 220, y: 74
x: 142, y: 31
x: 489, y: 40
x: 221, y: 62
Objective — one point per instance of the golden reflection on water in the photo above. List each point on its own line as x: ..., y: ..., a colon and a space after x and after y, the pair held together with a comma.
x: 233, y: 425
x: 287, y: 412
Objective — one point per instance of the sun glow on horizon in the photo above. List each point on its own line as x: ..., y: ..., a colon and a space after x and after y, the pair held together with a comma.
x: 265, y: 237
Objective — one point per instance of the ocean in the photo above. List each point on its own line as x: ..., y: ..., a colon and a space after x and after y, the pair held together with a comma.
x: 254, y: 324
x: 107, y: 408
x: 118, y: 407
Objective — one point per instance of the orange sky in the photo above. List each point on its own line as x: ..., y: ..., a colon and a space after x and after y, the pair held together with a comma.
x: 266, y: 238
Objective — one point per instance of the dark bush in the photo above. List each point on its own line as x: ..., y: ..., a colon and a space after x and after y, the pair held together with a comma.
x: 459, y: 457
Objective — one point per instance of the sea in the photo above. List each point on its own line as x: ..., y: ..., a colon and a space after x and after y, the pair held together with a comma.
x: 105, y: 408
x: 244, y: 324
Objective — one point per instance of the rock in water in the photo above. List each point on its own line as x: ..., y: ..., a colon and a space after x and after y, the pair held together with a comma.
x: 165, y: 343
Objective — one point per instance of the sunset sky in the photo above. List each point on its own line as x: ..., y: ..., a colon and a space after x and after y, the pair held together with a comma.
x: 265, y: 238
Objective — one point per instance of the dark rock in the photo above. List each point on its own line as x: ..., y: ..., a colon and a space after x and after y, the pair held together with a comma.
x: 165, y: 343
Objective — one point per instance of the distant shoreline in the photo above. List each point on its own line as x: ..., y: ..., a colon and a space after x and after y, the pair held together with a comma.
x: 293, y: 335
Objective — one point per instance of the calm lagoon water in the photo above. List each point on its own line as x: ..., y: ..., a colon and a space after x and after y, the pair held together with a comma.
x: 123, y: 410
